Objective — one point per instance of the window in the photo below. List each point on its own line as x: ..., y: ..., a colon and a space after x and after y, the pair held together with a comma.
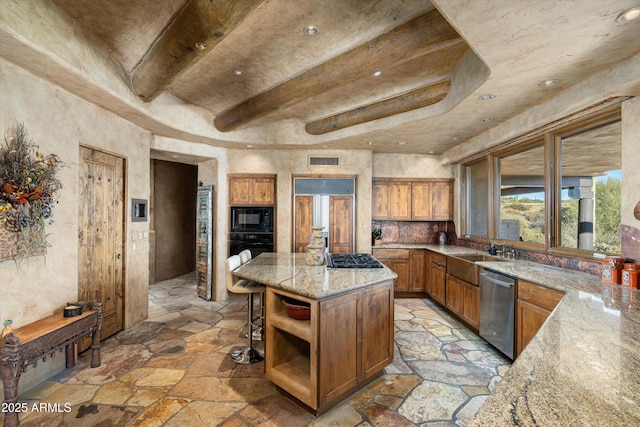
x: 559, y: 189
x: 591, y: 189
x: 522, y: 196
x: 477, y: 197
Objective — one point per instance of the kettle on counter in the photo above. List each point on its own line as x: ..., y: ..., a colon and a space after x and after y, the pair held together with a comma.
x: 444, y: 238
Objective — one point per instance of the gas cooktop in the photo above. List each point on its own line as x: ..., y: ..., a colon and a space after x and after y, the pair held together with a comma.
x: 352, y: 261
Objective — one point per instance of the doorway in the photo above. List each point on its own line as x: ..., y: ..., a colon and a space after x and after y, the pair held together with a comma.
x: 100, y: 235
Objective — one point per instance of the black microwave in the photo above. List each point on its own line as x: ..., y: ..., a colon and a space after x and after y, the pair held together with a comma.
x: 256, y: 219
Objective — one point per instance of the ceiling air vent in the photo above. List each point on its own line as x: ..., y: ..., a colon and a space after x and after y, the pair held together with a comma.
x: 324, y: 161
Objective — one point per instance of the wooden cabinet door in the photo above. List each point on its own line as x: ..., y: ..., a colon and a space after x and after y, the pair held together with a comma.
x: 442, y: 201
x: 529, y: 320
x: 471, y: 306
x: 380, y: 200
x: 437, y: 282
x: 417, y: 270
x: 421, y: 201
x: 340, y: 224
x: 264, y: 191
x: 337, y: 346
x: 101, y: 236
x: 455, y: 294
x: 401, y: 268
x: 400, y: 201
x: 376, y: 313
x: 240, y: 191
x: 303, y: 222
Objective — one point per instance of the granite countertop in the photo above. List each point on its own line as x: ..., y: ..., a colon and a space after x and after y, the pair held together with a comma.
x: 583, y: 366
x: 291, y: 273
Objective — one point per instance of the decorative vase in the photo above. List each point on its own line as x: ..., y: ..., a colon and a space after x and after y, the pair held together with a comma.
x: 315, y: 248
x: 7, y: 328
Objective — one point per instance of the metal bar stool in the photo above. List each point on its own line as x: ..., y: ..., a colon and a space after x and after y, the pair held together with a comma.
x: 247, y: 354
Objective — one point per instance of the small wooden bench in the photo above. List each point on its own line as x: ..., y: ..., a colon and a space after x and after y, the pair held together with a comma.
x: 28, y: 344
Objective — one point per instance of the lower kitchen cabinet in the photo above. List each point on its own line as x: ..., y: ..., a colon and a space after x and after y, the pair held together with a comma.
x: 409, y: 264
x: 533, y: 306
x: 347, y: 342
x: 463, y: 299
x: 437, y: 277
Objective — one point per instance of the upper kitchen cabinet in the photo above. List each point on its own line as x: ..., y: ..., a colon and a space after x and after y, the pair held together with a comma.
x: 252, y: 190
x: 412, y: 200
x: 391, y: 200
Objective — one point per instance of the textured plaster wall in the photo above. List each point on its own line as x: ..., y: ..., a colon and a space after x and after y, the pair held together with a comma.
x: 59, y: 123
x: 174, y: 222
x: 288, y: 163
x: 410, y: 166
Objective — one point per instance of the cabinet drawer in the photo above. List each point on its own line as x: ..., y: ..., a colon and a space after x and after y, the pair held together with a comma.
x: 539, y: 295
x: 437, y: 258
x: 391, y: 253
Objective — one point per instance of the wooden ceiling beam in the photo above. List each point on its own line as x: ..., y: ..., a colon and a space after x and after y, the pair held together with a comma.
x: 408, y: 101
x: 424, y: 34
x: 194, y: 31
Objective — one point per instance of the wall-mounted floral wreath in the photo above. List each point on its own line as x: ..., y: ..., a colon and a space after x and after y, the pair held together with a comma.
x: 28, y: 187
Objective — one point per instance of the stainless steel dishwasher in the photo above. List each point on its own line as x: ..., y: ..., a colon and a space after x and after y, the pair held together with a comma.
x: 497, y: 293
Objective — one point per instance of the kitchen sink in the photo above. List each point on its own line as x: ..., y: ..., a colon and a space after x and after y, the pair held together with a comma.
x: 464, y: 266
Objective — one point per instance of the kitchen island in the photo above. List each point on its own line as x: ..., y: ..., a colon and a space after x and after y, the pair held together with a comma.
x: 347, y: 340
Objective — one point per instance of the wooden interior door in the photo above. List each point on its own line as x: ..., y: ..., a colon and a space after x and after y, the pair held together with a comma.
x: 100, y: 235
x: 303, y: 222
x: 340, y: 224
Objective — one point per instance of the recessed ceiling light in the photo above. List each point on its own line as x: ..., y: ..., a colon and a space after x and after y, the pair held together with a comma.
x: 377, y: 73
x: 431, y: 151
x: 487, y: 119
x: 401, y: 143
x: 238, y: 72
x: 549, y: 83
x: 486, y: 97
x: 311, y: 30
x: 249, y: 146
x: 629, y: 15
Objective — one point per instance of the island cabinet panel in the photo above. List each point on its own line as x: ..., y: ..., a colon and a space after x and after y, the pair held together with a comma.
x: 346, y: 343
x: 337, y: 334
x: 533, y: 306
x: 376, y: 313
x: 251, y: 190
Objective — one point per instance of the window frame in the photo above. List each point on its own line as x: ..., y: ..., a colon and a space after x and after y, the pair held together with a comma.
x: 551, y: 138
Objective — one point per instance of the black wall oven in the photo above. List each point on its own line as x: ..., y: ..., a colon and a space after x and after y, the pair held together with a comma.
x: 252, y: 219
x: 255, y: 242
x: 251, y: 227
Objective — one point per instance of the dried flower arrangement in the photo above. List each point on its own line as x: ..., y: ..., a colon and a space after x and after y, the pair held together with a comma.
x: 28, y: 185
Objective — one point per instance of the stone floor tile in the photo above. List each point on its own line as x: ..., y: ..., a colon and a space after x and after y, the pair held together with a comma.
x: 115, y: 363
x: 114, y: 393
x: 202, y: 414
x: 381, y: 416
x: 276, y: 410
x: 145, y: 396
x: 342, y: 415
x: 160, y: 412
x: 432, y: 401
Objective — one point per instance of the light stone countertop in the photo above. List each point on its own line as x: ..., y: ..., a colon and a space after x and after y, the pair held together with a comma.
x: 291, y: 273
x: 583, y: 366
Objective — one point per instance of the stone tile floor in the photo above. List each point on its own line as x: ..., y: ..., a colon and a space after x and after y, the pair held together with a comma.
x: 174, y: 370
